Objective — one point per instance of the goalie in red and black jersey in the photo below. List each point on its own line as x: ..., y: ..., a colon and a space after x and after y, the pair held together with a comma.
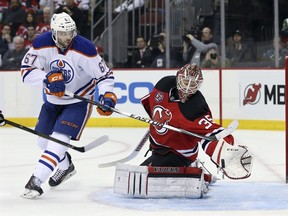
x: 177, y: 101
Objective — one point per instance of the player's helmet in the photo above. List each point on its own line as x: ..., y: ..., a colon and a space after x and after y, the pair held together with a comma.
x: 64, y: 23
x: 188, y: 80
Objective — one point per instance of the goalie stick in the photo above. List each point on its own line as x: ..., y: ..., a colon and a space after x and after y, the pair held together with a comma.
x: 232, y: 127
x: 88, y: 147
x: 131, y: 156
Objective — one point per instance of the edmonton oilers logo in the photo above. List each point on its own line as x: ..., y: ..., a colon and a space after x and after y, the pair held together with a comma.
x: 65, y: 68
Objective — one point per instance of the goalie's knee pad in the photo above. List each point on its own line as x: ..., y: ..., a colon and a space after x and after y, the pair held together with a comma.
x: 234, y: 161
x: 159, y: 182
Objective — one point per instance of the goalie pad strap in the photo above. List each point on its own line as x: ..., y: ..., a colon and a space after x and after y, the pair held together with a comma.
x: 159, y: 182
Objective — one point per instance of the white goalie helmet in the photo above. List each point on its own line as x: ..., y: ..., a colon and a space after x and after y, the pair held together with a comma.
x: 188, y: 80
x: 62, y: 22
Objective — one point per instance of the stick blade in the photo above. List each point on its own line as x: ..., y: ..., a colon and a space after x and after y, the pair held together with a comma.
x: 230, y: 129
x: 233, y: 125
x: 99, y: 141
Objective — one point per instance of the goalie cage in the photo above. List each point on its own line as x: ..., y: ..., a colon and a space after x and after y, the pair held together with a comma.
x: 159, y: 182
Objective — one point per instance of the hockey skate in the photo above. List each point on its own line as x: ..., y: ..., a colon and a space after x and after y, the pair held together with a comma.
x: 62, y: 175
x: 32, y: 188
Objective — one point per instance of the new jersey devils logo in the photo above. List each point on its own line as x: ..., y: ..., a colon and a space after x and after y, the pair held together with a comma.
x: 252, y: 94
x: 66, y: 69
x: 163, y: 116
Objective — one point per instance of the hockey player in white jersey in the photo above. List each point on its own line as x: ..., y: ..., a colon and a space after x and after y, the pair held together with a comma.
x: 62, y: 60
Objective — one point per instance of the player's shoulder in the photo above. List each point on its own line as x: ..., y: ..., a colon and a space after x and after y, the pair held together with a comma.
x: 166, y: 83
x: 43, y: 40
x: 84, y: 46
x: 195, y: 107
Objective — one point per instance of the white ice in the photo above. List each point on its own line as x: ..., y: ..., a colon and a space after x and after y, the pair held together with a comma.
x: 90, y: 191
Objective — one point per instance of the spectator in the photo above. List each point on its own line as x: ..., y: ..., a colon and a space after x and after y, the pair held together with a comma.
x: 158, y: 46
x: 30, y: 19
x: 238, y: 51
x: 83, y: 5
x: 30, y: 36
x: 194, y: 51
x: 142, y: 56
x: 213, y: 60
x: 44, y: 24
x: 12, y: 58
x: 4, y: 5
x: 47, y: 3
x: 269, y: 55
x: 31, y: 5
x: 72, y: 10
x: 284, y: 30
x: 5, y: 40
x: 129, y: 5
x: 14, y: 16
x: 104, y: 56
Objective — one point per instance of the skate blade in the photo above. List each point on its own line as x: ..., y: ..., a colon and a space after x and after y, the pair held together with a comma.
x: 30, y: 194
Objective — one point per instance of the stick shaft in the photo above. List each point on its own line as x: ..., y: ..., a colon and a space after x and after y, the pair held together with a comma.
x: 143, y: 119
x: 80, y: 149
x: 132, y: 154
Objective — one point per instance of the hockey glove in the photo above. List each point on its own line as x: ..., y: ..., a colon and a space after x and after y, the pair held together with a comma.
x: 2, y: 120
x: 55, y: 83
x: 109, y: 100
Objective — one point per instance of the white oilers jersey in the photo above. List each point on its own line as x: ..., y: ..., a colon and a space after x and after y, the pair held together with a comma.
x: 81, y: 66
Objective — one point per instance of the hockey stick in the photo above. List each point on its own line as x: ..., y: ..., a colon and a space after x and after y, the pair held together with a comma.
x: 131, y: 156
x: 88, y: 147
x: 233, y: 125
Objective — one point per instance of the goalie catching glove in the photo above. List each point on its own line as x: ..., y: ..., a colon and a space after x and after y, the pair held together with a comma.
x: 2, y: 120
x: 54, y: 83
x: 234, y: 161
x: 108, y: 100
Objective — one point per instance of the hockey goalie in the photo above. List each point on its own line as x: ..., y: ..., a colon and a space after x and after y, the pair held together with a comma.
x: 170, y: 170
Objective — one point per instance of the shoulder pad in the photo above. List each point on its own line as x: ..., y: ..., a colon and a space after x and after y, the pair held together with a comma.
x: 166, y: 83
x: 84, y: 46
x: 43, y: 40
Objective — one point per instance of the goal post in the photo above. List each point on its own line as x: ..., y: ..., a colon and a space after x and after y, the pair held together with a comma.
x: 286, y: 117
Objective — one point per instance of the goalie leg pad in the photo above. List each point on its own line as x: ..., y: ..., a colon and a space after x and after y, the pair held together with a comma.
x: 234, y: 161
x: 159, y: 182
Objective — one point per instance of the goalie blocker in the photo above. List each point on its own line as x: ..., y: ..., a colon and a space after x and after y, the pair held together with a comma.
x: 159, y: 182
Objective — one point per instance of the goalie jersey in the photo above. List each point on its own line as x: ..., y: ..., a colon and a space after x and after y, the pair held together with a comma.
x: 163, y: 106
x: 80, y: 64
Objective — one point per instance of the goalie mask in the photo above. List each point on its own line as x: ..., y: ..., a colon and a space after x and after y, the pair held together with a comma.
x: 188, y: 80
x: 63, y: 29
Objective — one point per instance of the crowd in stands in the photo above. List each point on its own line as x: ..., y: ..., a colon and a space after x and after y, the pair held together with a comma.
x: 23, y: 20
x: 201, y: 49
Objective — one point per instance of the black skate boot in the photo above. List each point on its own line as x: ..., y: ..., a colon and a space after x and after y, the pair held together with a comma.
x: 32, y: 188
x: 62, y: 175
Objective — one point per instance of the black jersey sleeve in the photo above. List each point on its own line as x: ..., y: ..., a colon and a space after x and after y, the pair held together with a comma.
x: 166, y: 83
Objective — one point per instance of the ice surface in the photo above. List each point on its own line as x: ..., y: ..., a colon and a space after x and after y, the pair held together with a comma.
x: 89, y: 192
